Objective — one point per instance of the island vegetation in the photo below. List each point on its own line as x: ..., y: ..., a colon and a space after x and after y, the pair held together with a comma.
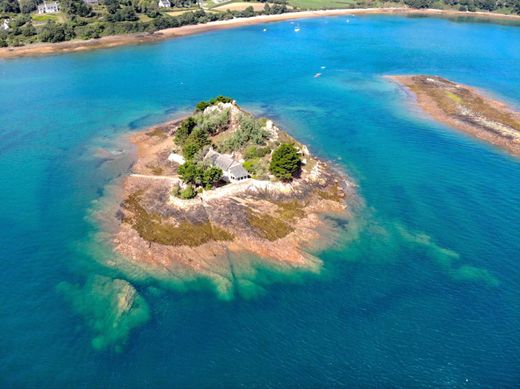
x: 222, y: 182
x: 466, y: 109
x: 24, y: 22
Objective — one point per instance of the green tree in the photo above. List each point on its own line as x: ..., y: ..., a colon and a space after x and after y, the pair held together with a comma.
x: 189, y: 151
x: 76, y: 7
x: 285, y: 162
x: 211, y: 176
x: 199, y: 137
x: 9, y: 6
x: 191, y: 173
x: 202, y: 105
x: 184, y: 130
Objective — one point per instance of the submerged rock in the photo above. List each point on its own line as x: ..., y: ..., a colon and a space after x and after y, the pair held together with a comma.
x: 111, y: 307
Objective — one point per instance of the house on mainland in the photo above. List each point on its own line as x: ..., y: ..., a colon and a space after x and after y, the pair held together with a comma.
x: 232, y: 170
x: 5, y: 25
x: 91, y: 2
x: 48, y: 8
x: 164, y: 4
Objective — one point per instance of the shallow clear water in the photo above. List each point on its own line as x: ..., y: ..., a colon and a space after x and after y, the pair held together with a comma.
x: 392, y: 308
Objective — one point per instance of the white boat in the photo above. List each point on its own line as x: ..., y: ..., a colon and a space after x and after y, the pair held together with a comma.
x: 297, y: 29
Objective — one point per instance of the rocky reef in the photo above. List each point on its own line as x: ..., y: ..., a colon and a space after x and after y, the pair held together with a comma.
x: 466, y: 109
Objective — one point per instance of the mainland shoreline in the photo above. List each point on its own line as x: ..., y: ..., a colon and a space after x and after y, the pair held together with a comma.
x: 41, y: 49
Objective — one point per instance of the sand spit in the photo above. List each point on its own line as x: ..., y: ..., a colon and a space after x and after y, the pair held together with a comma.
x: 466, y: 109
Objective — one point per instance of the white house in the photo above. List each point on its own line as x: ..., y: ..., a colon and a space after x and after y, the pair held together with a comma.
x: 5, y: 25
x: 48, y: 8
x: 232, y: 170
x: 164, y: 4
x: 91, y: 2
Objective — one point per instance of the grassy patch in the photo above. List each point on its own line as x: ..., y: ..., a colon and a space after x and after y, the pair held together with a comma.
x: 152, y: 228
x: 332, y: 194
x: 157, y: 170
x: 158, y: 132
x: 267, y: 226
x: 323, y: 4
x: 290, y: 210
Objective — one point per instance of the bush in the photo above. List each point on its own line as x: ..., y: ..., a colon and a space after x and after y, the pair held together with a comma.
x: 188, y: 192
x: 202, y: 105
x: 285, y: 162
x: 220, y: 99
x: 256, y: 152
x: 250, y: 132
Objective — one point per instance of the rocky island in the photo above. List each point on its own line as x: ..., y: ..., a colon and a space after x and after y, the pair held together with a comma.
x: 216, y: 191
x: 465, y: 109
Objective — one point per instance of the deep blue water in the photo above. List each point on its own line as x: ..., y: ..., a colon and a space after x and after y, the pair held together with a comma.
x: 392, y: 307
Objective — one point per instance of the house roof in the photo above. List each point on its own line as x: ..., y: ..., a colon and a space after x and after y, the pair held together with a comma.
x: 238, y: 170
x: 226, y: 163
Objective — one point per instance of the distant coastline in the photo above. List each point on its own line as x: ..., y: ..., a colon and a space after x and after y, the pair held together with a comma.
x: 40, y: 49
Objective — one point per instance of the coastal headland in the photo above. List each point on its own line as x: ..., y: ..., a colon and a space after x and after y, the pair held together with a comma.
x: 38, y: 49
x: 466, y: 109
x: 214, y: 191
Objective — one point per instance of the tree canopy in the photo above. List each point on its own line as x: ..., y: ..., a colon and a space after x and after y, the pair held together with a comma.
x: 285, y: 162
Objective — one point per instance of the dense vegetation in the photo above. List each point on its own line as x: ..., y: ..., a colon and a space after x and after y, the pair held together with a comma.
x: 247, y: 138
x: 285, y: 162
x: 77, y: 20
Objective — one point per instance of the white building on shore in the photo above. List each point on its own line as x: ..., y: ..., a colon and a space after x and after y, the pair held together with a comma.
x: 49, y: 8
x: 164, y: 4
x: 5, y: 25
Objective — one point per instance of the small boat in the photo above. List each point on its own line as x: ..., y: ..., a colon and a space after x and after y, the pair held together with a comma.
x: 322, y: 67
x: 297, y: 29
x: 264, y: 30
x: 317, y: 75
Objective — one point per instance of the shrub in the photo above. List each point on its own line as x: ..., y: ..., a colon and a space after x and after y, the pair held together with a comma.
x: 285, y: 162
x: 256, y: 152
x: 202, y: 105
x: 220, y: 99
x: 188, y: 193
x: 250, y: 132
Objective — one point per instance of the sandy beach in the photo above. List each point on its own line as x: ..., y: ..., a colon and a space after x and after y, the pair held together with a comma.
x: 38, y: 49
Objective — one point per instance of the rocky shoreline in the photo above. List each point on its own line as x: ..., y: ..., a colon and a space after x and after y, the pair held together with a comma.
x: 466, y: 109
x: 220, y: 234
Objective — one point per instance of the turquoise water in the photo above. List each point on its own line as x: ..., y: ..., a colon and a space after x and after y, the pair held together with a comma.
x: 426, y: 295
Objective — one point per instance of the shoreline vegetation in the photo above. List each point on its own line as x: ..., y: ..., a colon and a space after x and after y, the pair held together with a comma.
x: 465, y: 109
x: 184, y: 215
x: 159, y: 34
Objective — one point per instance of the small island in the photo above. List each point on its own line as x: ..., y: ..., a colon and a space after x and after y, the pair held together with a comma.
x: 222, y: 184
x: 465, y: 109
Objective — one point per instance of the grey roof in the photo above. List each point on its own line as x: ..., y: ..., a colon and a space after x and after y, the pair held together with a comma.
x: 226, y: 163
x: 238, y: 171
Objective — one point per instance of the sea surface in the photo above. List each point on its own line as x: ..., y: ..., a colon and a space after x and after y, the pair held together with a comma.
x: 424, y: 289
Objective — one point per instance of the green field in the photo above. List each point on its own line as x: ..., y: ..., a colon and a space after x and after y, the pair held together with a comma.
x: 322, y: 4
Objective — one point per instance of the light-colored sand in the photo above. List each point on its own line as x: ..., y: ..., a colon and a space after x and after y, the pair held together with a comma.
x: 133, y: 39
